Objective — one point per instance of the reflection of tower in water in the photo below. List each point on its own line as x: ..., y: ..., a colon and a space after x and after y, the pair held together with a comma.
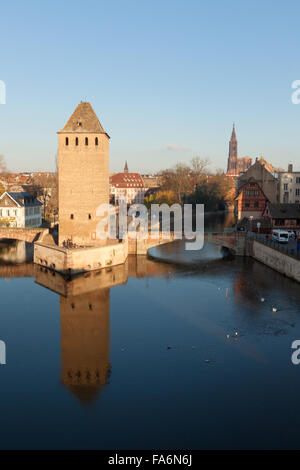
x: 85, y: 343
x: 85, y: 324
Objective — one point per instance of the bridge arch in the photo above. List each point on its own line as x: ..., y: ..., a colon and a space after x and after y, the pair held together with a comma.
x: 29, y: 235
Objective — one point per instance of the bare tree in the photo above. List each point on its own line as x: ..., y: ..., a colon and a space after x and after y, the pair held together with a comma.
x: 199, y: 165
x: 177, y: 180
x: 45, y: 188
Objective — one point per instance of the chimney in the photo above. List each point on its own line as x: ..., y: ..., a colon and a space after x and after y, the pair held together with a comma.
x: 290, y: 168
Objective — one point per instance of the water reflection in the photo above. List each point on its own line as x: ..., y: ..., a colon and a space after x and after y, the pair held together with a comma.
x: 15, y: 252
x: 85, y: 321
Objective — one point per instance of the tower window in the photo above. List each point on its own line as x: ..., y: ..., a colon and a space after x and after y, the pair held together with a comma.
x: 67, y: 140
x: 96, y: 141
x: 72, y: 216
x: 86, y: 141
x: 76, y: 141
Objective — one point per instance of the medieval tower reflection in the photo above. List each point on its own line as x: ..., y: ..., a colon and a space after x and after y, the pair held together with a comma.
x: 85, y: 320
x: 85, y: 343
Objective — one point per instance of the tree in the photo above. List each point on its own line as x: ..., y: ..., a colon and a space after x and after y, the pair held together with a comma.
x: 160, y: 197
x: 177, y: 180
x: 45, y: 188
x: 196, y: 185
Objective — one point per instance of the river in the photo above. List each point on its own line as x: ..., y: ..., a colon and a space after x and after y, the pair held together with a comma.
x: 177, y: 351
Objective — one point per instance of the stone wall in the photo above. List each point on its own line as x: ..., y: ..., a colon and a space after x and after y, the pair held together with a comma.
x: 80, y: 260
x: 281, y: 262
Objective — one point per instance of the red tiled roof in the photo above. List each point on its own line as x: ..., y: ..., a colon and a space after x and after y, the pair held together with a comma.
x: 127, y: 180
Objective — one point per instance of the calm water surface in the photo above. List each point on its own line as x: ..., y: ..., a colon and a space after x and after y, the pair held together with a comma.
x: 137, y: 357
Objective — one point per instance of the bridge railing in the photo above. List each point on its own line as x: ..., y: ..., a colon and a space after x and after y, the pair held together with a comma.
x: 287, y: 248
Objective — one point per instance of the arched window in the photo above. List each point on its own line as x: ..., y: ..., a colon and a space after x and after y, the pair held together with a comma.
x: 96, y: 141
x: 86, y: 141
x: 76, y: 141
x: 67, y: 140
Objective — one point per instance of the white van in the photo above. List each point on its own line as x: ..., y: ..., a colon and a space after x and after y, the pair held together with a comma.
x: 281, y: 236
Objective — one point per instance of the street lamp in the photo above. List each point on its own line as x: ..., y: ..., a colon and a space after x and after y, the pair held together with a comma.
x: 258, y: 226
x: 251, y: 218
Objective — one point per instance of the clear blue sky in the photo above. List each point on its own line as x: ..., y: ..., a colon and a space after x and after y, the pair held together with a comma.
x: 158, y: 73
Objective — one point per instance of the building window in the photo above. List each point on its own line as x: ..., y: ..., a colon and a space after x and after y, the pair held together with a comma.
x: 297, y: 192
x: 67, y: 141
x: 96, y: 141
x: 247, y: 204
x: 285, y: 187
x: 90, y: 216
x: 72, y: 216
x: 86, y: 141
x: 279, y: 222
x: 298, y: 180
x: 76, y: 141
x: 255, y: 203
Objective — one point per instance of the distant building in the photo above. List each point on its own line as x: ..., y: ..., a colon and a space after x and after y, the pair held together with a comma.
x: 128, y: 187
x: 151, y: 181
x: 283, y: 216
x: 236, y: 165
x: 250, y: 200
x: 289, y: 186
x: 265, y: 175
x: 20, y: 209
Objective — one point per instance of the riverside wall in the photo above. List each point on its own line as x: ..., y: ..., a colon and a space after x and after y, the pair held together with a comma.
x: 281, y: 262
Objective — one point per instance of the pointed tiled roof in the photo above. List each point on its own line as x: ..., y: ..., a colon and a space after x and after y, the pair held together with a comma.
x: 84, y: 119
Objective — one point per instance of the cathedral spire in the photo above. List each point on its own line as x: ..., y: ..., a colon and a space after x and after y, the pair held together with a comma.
x: 232, y: 166
x: 126, y: 167
x: 233, y: 136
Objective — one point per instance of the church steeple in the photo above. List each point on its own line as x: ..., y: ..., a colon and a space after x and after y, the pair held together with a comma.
x: 233, y: 153
x: 126, y: 167
x: 233, y: 136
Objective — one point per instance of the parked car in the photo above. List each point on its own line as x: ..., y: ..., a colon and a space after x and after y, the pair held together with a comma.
x: 292, y: 234
x: 281, y: 236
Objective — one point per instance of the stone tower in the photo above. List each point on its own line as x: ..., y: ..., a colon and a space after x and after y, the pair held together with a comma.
x: 83, y: 176
x: 232, y: 165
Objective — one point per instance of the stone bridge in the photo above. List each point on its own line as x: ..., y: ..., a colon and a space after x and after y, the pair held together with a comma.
x: 234, y: 241
x: 29, y: 235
